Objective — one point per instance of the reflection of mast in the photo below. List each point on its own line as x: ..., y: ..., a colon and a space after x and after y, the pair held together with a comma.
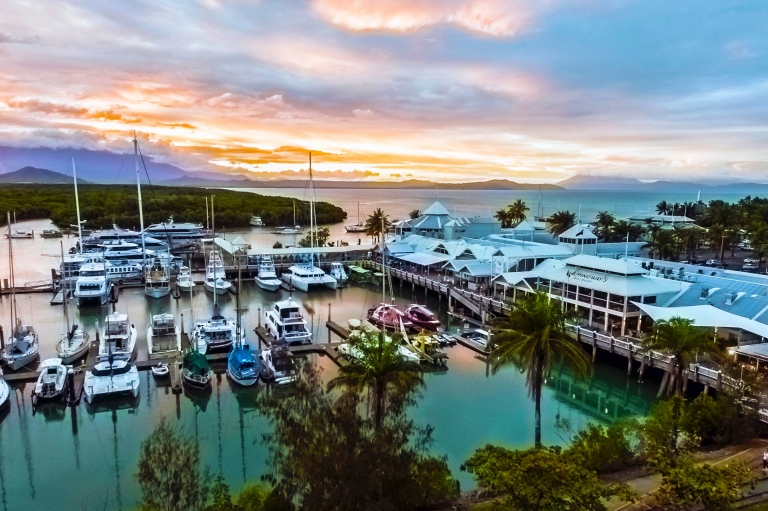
x: 25, y: 441
x: 117, y: 466
x: 3, y: 498
x: 218, y: 415
x: 75, y: 439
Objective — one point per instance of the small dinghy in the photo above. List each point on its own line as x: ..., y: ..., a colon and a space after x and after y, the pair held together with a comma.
x: 161, y: 370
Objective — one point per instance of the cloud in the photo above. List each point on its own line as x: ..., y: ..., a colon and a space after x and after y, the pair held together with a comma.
x: 500, y: 18
x: 11, y: 39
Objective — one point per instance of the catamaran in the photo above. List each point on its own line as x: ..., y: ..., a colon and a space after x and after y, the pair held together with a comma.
x: 111, y: 376
x: 118, y: 337
x: 267, y: 277
x: 358, y: 227
x: 286, y: 324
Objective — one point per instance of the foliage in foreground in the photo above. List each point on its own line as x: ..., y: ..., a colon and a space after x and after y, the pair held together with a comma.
x: 540, y: 479
x: 715, y: 487
x: 325, y: 454
x: 105, y: 205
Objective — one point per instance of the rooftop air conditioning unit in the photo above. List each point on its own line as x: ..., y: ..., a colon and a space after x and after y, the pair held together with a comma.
x: 730, y: 297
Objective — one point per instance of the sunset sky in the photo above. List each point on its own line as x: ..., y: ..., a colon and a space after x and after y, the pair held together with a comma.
x: 448, y: 90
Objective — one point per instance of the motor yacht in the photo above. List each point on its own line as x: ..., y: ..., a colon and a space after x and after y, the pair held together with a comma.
x: 305, y: 276
x: 73, y: 345
x: 111, y: 376
x: 357, y: 329
x: 286, y: 324
x: 118, y: 337
x: 51, y: 233
x: 21, y: 234
x: 421, y: 317
x: 123, y: 271
x: 157, y: 279
x: 215, y: 277
x: 267, y: 277
x: 338, y: 273
x: 23, y: 348
x: 214, y: 335
x: 92, y: 285
x: 52, y: 381
x: 278, y: 362
x: 184, y: 279
x: 183, y: 232
x: 163, y: 336
x: 256, y: 221
x: 5, y: 391
x: 388, y: 317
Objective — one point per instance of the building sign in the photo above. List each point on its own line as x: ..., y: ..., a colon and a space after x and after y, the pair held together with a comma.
x: 586, y: 277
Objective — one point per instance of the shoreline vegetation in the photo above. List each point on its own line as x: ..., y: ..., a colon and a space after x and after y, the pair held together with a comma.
x: 106, y: 205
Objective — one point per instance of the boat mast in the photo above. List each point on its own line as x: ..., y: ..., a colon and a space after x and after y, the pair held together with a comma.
x: 138, y: 188
x: 65, y: 292
x: 311, y: 215
x: 239, y: 279
x: 77, y: 207
x: 213, y: 260
x: 207, y: 226
x: 14, y: 311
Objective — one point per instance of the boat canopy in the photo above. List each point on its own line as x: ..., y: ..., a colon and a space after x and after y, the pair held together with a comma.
x: 196, y: 362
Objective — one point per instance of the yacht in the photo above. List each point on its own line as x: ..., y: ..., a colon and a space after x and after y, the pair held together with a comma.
x: 70, y: 267
x: 215, y: 278
x: 278, y: 363
x: 305, y: 276
x: 286, y: 324
x: 22, y: 234
x: 111, y: 376
x: 421, y: 317
x: 296, y: 229
x: 242, y: 366
x: 184, y: 279
x: 356, y: 329
x: 216, y: 334
x: 118, y: 337
x: 338, y: 273
x: 256, y: 221
x: 123, y: 271
x: 358, y: 227
x: 163, y: 337
x: 73, y: 345
x: 51, y: 233
x: 389, y: 317
x: 98, y: 239
x: 178, y: 233
x: 196, y: 371
x: 92, y: 284
x: 267, y: 278
x: 23, y: 348
x: 52, y: 382
x: 5, y: 391
x: 157, y: 279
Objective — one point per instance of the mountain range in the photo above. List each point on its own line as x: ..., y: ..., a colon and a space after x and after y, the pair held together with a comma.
x: 583, y: 182
x: 38, y: 176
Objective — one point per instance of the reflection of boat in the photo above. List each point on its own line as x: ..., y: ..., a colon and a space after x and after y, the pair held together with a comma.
x: 286, y: 324
x: 358, y: 227
x: 338, y: 273
x: 256, y: 221
x: 111, y: 377
x: 157, y: 279
x: 421, y: 317
x: 184, y: 280
x: 195, y: 370
x: 163, y: 337
x: 279, y: 363
x: 118, y: 337
x: 52, y: 381
x: 267, y: 278
x: 389, y: 317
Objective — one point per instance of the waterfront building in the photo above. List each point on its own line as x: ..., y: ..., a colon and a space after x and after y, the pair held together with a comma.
x: 437, y: 223
x: 664, y: 220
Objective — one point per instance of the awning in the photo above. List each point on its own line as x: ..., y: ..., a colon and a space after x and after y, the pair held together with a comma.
x: 706, y: 316
x: 422, y: 259
x: 754, y: 351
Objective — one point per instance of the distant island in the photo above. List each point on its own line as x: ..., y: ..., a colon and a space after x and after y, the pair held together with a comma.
x: 106, y: 205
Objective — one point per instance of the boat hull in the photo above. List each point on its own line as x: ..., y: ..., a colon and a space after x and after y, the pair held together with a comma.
x: 18, y: 362
x: 157, y: 293
x: 245, y: 382
x: 67, y: 358
x: 203, y: 382
x: 268, y: 284
x: 307, y: 286
x: 217, y: 289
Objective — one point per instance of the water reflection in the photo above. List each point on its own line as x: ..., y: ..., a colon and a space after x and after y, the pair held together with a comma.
x: 21, y: 408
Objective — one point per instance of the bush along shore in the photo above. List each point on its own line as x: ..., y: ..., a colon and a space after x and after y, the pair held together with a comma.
x: 105, y: 205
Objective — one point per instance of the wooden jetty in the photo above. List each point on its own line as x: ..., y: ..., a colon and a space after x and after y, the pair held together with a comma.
x: 474, y: 346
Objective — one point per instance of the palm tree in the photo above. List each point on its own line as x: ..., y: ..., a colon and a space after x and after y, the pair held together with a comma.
x: 374, y: 223
x: 535, y: 337
x: 662, y: 243
x: 623, y: 228
x: 504, y: 217
x: 560, y: 222
x: 379, y: 369
x: 416, y: 213
x: 682, y: 339
x: 517, y: 211
x: 664, y: 208
x: 689, y: 237
x: 604, y: 222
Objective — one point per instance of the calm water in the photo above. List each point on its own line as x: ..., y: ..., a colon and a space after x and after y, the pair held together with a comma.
x: 80, y: 458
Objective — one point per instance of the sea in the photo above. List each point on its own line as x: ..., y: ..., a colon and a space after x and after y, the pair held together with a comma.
x: 85, y: 457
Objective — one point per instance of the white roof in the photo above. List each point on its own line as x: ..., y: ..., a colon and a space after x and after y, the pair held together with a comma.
x: 398, y: 247
x: 423, y: 259
x: 754, y: 350
x: 239, y: 241
x: 606, y: 264
x: 524, y: 226
x: 436, y: 209
x: 661, y: 218
x: 580, y: 231
x: 706, y: 316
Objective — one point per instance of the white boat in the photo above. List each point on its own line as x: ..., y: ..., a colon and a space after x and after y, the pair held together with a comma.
x: 256, y: 221
x: 278, y: 363
x: 122, y: 271
x: 92, y: 285
x: 356, y: 329
x: 73, y: 345
x: 358, y: 227
x: 184, y: 232
x: 161, y: 370
x: 21, y: 234
x: 296, y: 229
x: 214, y: 335
x: 184, y: 279
x: 163, y: 337
x: 111, y: 376
x: 118, y: 337
x: 267, y: 277
x: 286, y: 324
x: 23, y: 348
x: 52, y: 382
x: 338, y: 273
x: 157, y: 280
x: 215, y: 278
x: 5, y: 391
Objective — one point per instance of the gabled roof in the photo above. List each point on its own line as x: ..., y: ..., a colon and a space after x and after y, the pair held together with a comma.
x: 618, y: 266
x: 524, y: 226
x: 436, y: 209
x: 580, y: 231
x: 240, y: 241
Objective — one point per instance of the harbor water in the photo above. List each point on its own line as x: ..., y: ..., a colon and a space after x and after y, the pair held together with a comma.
x: 85, y: 457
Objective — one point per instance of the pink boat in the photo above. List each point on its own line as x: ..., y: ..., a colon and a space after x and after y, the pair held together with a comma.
x: 388, y: 317
x: 421, y: 317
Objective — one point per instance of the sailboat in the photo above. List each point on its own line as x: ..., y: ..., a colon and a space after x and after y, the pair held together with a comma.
x: 296, y: 229
x: 358, y: 227
x: 267, y: 277
x: 24, y: 345
x: 75, y: 341
x: 216, y: 334
x: 304, y: 275
x: 242, y: 366
x: 215, y: 277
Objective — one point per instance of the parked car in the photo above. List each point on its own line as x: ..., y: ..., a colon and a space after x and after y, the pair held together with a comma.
x: 749, y: 267
x: 712, y: 262
x: 751, y: 260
